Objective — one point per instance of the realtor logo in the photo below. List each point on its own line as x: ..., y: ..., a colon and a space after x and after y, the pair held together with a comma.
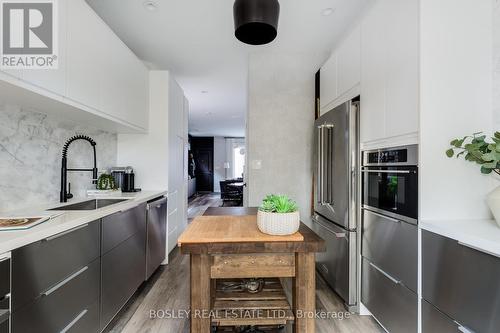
x: 29, y: 38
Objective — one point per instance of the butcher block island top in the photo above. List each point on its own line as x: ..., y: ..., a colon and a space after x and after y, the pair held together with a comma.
x: 230, y: 229
x: 227, y: 248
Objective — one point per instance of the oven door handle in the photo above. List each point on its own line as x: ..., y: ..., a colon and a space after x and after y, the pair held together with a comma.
x: 388, y: 171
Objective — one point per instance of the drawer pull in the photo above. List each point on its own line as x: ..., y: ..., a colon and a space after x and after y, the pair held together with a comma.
x: 384, y: 217
x: 479, y: 250
x: 48, y: 239
x: 336, y: 234
x: 63, y: 282
x: 74, y: 321
x: 385, y: 274
x: 463, y: 329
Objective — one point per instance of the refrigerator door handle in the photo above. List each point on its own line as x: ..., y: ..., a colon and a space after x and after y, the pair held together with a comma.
x: 336, y: 234
x: 320, y: 165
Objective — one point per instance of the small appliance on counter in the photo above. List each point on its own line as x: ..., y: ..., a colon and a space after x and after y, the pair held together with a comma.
x: 124, y: 178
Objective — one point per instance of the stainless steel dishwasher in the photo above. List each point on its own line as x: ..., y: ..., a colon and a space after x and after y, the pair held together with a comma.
x: 156, y: 244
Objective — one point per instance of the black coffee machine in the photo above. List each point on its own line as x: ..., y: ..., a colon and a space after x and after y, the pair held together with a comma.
x: 124, y: 178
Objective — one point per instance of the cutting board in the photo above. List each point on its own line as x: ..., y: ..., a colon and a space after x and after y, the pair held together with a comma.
x: 230, y: 229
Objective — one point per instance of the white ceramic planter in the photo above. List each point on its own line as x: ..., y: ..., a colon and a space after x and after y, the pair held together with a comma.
x: 278, y: 224
x: 493, y: 201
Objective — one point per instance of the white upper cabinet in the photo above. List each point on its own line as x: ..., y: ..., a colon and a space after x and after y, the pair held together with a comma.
x: 53, y: 80
x: 341, y: 72
x: 349, y: 62
x: 389, y: 72
x: 86, y: 58
x: 328, y: 85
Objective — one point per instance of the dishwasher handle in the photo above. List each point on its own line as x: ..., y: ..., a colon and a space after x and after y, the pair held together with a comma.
x: 156, y: 203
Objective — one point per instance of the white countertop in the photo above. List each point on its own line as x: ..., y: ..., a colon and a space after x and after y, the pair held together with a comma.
x: 483, y: 235
x: 10, y: 240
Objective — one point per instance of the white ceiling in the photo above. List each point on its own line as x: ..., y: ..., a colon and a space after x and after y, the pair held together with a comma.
x: 194, y: 39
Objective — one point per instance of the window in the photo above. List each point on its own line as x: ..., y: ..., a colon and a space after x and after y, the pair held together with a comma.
x: 239, y: 162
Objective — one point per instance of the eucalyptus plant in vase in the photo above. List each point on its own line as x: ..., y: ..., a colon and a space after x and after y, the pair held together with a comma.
x: 485, y: 152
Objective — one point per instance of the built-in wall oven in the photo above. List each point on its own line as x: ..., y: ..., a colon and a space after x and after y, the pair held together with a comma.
x: 389, y: 237
x: 390, y: 182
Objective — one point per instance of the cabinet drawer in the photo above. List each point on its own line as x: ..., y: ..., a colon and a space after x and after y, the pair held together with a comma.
x: 461, y: 282
x: 4, y: 277
x: 87, y: 321
x: 391, y: 245
x: 119, y: 227
x: 123, y: 271
x: 60, y: 305
x: 39, y: 266
x: 434, y: 320
x: 394, y: 305
x: 5, y: 326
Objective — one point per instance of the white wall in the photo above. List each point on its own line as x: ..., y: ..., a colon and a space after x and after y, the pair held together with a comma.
x: 496, y: 64
x: 148, y: 153
x: 280, y: 128
x: 456, y: 100
x: 219, y: 159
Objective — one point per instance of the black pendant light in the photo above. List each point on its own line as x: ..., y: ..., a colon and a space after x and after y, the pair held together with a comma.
x: 256, y: 21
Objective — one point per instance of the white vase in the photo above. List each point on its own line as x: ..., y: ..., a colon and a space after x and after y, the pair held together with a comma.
x: 278, y: 224
x: 493, y: 201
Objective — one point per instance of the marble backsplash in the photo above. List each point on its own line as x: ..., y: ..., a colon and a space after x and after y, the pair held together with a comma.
x: 30, y: 157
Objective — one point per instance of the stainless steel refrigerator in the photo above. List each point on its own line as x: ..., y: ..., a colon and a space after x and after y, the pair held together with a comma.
x: 336, y: 198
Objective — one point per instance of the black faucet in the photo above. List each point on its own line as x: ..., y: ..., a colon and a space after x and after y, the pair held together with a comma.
x: 64, y: 196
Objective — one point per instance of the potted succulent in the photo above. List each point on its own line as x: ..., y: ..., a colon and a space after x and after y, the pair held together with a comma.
x: 486, y: 153
x: 278, y: 215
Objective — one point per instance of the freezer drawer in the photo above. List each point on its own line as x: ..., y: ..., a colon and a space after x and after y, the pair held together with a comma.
x: 461, y: 282
x: 39, y: 266
x: 337, y: 265
x: 58, y: 307
x: 122, y: 273
x: 119, y: 227
x: 392, y: 245
x: 394, y: 305
x: 156, y: 235
x: 434, y: 321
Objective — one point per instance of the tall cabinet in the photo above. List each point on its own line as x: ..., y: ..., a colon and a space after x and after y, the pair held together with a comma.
x: 159, y: 157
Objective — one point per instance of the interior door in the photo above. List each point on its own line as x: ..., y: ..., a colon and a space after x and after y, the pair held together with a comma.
x: 204, y: 159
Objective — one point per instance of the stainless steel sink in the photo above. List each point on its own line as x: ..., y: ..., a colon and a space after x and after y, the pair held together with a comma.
x: 90, y: 204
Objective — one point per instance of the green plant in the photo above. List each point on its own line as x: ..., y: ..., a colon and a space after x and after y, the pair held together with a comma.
x: 273, y: 203
x: 106, y: 182
x: 478, y: 150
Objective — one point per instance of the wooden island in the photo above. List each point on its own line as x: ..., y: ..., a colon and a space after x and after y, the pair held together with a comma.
x: 225, y: 243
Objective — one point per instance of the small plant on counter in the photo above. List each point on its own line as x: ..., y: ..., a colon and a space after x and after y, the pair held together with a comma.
x: 278, y: 215
x: 478, y: 150
x: 273, y: 203
x: 106, y: 182
x: 486, y: 153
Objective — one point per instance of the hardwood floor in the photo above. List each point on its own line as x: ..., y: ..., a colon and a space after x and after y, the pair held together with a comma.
x: 168, y: 290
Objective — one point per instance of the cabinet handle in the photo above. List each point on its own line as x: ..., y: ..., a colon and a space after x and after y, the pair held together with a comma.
x: 74, y: 321
x: 48, y: 239
x: 388, y: 171
x: 383, y: 216
x: 463, y: 329
x: 479, y: 250
x: 63, y: 282
x: 385, y: 274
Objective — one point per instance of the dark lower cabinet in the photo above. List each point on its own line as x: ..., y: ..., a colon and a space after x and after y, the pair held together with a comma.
x: 434, y: 321
x: 123, y: 271
x: 63, y: 306
x: 461, y: 282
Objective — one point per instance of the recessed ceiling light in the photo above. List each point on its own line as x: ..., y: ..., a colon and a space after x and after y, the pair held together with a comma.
x: 150, y: 6
x: 327, y: 11
x: 204, y: 91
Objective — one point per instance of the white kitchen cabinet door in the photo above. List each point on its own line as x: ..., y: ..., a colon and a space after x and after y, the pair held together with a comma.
x: 328, y: 85
x: 53, y: 80
x: 86, y: 60
x: 137, y: 89
x: 402, y: 82
x: 349, y: 62
x: 373, y: 68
